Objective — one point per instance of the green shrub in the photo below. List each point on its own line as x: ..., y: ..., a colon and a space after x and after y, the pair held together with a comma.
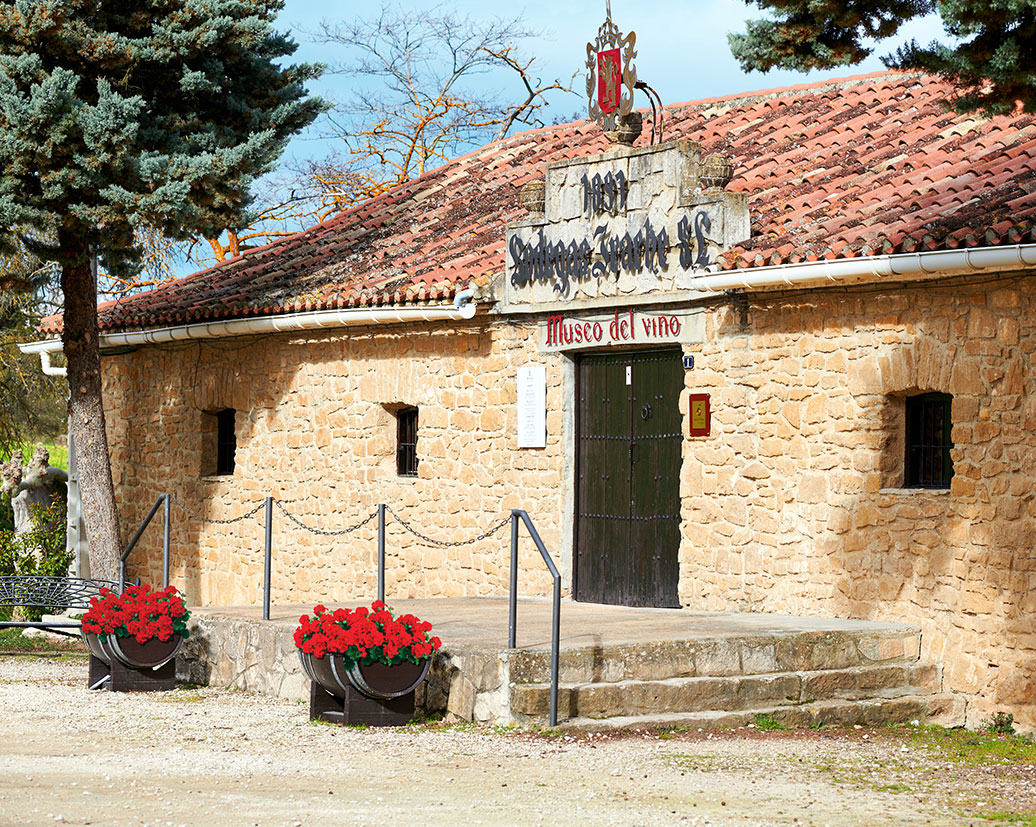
x: 1001, y: 723
x: 39, y: 551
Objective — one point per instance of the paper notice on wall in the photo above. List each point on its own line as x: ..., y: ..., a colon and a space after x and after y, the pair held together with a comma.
x: 532, y: 407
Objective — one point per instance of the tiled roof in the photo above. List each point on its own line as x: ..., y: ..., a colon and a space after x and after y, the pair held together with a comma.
x: 863, y: 166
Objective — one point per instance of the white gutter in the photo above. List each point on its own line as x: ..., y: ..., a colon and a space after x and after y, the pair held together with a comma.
x: 933, y: 262
x: 946, y: 263
x: 316, y: 320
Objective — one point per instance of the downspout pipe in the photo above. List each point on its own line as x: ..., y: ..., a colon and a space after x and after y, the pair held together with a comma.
x: 318, y: 320
x: 48, y: 368
x: 464, y: 296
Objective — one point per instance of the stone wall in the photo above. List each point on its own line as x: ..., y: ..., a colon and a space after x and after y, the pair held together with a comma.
x: 794, y: 503
x: 316, y: 429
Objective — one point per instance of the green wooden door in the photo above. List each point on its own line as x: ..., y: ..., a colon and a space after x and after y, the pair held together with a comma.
x: 628, y: 478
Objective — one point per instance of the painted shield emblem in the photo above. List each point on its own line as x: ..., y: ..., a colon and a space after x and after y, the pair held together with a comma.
x: 609, y: 80
x: 610, y: 75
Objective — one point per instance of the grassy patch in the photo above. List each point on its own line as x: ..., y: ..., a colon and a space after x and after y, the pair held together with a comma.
x: 58, y: 453
x: 180, y: 697
x: 767, y: 722
x: 13, y: 642
x: 1008, y: 817
x: 976, y: 747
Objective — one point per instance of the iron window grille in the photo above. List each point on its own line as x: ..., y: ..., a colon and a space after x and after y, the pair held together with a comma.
x: 226, y: 441
x: 406, y: 442
x: 928, y: 443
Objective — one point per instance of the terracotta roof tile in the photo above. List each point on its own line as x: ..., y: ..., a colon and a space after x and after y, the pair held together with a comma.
x: 866, y: 165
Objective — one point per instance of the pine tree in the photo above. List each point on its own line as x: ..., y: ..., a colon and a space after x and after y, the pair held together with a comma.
x: 124, y: 114
x: 993, y: 64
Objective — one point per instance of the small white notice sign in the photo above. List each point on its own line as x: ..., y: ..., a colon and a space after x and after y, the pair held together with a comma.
x: 532, y: 407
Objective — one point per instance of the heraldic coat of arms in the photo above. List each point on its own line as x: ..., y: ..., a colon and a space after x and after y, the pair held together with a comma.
x: 611, y: 75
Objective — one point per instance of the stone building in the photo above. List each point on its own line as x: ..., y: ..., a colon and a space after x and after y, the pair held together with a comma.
x: 801, y: 385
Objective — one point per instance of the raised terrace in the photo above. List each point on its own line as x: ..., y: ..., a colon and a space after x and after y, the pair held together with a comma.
x: 619, y: 666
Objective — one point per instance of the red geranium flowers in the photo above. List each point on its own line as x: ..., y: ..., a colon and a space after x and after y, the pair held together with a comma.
x: 139, y: 613
x: 371, y: 635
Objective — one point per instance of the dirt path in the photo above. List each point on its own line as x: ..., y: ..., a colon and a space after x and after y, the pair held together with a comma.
x: 223, y: 758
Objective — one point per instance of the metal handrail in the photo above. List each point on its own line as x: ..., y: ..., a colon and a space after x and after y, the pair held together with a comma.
x: 381, y: 552
x: 162, y: 498
x: 516, y: 514
x: 555, y: 632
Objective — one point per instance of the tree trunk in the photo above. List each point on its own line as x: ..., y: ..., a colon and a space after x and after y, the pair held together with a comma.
x: 85, y: 406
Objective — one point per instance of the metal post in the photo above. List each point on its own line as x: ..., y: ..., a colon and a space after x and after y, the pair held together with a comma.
x: 512, y: 597
x: 165, y: 542
x: 267, y: 559
x: 140, y: 530
x: 381, y: 552
x: 555, y: 646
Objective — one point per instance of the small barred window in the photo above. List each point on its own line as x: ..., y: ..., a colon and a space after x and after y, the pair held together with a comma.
x: 406, y: 442
x: 928, y: 444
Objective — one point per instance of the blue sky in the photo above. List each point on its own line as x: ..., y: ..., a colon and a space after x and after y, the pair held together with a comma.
x: 682, y: 47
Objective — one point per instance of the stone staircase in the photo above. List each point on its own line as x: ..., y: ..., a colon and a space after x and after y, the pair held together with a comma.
x: 799, y: 679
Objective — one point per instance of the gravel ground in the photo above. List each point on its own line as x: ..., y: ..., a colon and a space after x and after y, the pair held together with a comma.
x: 215, y: 757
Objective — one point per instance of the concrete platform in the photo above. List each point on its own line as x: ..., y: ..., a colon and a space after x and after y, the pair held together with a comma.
x: 638, y: 658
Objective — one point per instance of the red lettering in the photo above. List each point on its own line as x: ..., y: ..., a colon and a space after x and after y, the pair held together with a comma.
x: 663, y: 326
x: 613, y: 328
x: 578, y: 331
x: 674, y: 325
x: 554, y: 330
x: 598, y: 331
x: 646, y: 321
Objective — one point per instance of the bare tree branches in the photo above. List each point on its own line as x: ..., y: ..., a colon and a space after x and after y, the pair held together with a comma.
x: 416, y: 104
x: 426, y: 86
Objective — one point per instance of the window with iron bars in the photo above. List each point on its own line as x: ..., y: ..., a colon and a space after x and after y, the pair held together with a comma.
x: 928, y: 443
x: 406, y: 442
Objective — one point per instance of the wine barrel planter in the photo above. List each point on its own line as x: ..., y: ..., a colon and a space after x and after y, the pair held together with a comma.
x: 384, y: 682
x: 123, y: 665
x: 375, y: 694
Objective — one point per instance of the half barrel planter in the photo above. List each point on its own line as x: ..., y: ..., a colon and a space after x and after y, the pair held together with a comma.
x: 373, y: 695
x: 123, y: 665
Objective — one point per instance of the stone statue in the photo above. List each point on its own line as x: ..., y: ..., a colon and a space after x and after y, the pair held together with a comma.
x: 35, y: 484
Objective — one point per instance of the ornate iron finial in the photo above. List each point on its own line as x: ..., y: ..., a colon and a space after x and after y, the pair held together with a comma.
x: 611, y: 75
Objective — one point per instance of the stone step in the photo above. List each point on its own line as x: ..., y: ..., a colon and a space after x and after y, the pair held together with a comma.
x: 601, y: 700
x: 747, y: 654
x: 944, y: 709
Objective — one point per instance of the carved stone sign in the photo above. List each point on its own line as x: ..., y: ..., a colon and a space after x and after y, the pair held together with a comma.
x: 632, y: 222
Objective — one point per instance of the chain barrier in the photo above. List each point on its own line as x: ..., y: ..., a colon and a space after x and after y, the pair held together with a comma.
x: 348, y: 530
x: 201, y: 519
x: 446, y: 543
x: 326, y: 533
